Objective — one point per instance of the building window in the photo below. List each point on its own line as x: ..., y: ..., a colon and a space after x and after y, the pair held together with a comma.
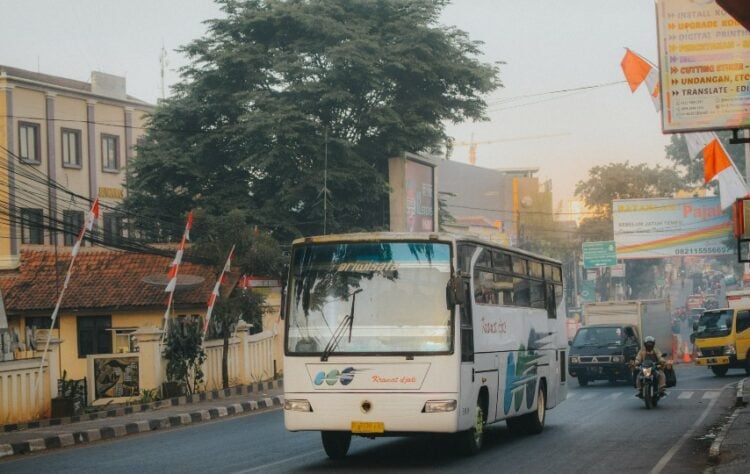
x: 29, y: 145
x: 113, y: 229
x: 71, y: 148
x: 110, y: 153
x: 72, y: 224
x: 94, y: 335
x: 124, y: 340
x: 31, y: 226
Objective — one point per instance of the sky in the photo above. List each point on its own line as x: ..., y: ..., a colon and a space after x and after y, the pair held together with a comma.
x: 545, y: 46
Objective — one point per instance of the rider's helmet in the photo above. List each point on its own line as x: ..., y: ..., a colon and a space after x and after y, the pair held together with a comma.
x: 649, y: 343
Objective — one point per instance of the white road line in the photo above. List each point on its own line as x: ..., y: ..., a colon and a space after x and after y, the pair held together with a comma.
x: 266, y: 466
x: 688, y: 434
x: 711, y: 395
x: 588, y: 396
x: 685, y: 395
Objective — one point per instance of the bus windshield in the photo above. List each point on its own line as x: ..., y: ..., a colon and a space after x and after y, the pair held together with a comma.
x: 715, y: 323
x: 369, y: 298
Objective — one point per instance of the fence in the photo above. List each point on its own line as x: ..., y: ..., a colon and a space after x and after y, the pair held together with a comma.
x: 17, y: 401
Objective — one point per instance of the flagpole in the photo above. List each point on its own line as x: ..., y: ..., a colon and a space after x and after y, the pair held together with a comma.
x: 172, y: 274
x: 88, y: 225
x: 215, y: 293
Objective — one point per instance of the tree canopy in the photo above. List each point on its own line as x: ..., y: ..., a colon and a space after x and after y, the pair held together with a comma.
x: 278, y: 88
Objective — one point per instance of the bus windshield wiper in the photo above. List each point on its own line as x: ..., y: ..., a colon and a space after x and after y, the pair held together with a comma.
x: 346, y: 323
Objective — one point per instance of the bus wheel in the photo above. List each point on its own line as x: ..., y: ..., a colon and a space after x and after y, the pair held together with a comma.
x: 720, y: 370
x: 531, y: 423
x: 336, y: 443
x: 471, y: 440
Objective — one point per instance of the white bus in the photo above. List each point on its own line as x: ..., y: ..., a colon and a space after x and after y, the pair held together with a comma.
x: 393, y: 334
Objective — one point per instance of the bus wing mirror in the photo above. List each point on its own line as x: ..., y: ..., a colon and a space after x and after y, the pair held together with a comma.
x: 454, y: 292
x: 695, y: 326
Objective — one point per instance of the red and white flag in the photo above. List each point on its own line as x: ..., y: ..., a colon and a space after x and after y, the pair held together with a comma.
x: 215, y: 292
x: 697, y: 141
x: 91, y: 218
x: 638, y: 70
x: 173, y: 268
x: 717, y: 165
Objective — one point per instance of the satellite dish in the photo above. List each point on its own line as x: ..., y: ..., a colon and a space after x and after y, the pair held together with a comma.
x: 184, y: 282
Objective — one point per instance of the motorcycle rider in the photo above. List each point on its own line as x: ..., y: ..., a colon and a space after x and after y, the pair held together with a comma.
x: 650, y: 351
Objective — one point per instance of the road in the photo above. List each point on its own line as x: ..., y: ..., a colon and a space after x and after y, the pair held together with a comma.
x: 600, y: 428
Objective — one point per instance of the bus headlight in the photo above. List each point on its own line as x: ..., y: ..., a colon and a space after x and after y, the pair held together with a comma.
x: 439, y: 406
x: 574, y: 360
x: 297, y: 405
x: 616, y: 359
x: 730, y: 350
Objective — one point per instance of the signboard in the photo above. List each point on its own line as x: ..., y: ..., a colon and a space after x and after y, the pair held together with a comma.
x: 115, y: 376
x: 704, y: 64
x: 618, y: 271
x: 666, y: 227
x: 419, y: 197
x: 588, y: 291
x: 599, y: 254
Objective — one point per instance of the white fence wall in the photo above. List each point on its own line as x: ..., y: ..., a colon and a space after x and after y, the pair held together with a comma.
x: 18, y: 403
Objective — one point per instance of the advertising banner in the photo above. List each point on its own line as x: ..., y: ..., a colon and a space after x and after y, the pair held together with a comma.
x: 115, y: 376
x: 666, y: 227
x: 704, y: 63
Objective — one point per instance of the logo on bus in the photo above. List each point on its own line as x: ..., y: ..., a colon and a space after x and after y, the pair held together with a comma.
x: 344, y: 377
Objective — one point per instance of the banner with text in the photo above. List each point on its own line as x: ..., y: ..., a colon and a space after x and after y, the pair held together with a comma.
x: 704, y: 61
x: 666, y: 227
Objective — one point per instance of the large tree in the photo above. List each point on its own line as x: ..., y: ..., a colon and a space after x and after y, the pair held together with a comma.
x: 278, y: 88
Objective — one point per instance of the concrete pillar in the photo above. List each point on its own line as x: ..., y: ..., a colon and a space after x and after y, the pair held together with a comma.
x: 150, y: 370
x: 244, y: 369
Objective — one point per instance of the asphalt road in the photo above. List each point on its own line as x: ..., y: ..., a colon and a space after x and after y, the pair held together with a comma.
x: 600, y: 428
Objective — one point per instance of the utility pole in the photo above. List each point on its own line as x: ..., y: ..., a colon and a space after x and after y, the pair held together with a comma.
x: 325, y: 182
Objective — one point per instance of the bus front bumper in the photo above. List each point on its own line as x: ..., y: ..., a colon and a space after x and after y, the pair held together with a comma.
x: 372, y: 414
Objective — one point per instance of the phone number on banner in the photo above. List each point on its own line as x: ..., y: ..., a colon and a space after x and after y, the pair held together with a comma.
x: 702, y: 251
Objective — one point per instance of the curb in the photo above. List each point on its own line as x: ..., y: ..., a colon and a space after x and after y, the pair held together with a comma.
x: 120, y: 430
x: 128, y: 410
x: 714, y: 451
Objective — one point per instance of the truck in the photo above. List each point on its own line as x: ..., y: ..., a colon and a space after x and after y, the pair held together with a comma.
x: 612, y: 335
x: 722, y: 340
x: 738, y: 298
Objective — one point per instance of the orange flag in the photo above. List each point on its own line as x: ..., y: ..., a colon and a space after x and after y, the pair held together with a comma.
x: 717, y: 165
x: 635, y: 68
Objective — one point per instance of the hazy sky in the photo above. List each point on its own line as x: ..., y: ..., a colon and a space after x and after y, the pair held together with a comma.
x: 546, y: 45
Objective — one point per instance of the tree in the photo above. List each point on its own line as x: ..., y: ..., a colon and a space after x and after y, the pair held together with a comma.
x: 692, y: 168
x: 254, y: 253
x: 276, y: 88
x: 184, y: 354
x: 625, y: 181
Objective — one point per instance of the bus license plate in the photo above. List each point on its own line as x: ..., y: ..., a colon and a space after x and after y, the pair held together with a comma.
x: 368, y: 427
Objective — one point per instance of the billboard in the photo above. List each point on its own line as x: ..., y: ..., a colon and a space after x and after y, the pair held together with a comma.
x: 703, y: 62
x: 419, y: 197
x: 666, y: 227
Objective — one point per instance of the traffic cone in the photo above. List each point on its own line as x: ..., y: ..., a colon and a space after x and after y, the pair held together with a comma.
x: 686, y: 354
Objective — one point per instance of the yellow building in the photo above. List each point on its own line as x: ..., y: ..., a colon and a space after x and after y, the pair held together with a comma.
x: 62, y: 143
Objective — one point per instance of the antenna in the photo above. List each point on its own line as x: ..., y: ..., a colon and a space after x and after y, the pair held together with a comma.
x: 163, y: 66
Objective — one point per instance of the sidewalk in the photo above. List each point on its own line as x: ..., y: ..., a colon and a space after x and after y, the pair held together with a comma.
x: 115, y: 423
x: 731, y: 449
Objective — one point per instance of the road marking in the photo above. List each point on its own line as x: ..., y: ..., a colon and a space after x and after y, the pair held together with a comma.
x: 266, y: 466
x: 685, y: 395
x: 688, y: 434
x: 615, y: 396
x: 570, y: 395
x: 711, y: 395
x: 588, y: 396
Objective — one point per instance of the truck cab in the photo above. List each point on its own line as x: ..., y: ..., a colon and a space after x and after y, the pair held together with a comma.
x: 603, y: 352
x: 722, y: 339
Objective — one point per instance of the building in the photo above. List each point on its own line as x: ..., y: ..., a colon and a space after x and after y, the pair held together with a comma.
x: 62, y: 144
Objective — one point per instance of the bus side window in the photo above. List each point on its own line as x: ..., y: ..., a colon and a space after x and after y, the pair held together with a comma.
x: 551, y: 301
x: 467, y: 328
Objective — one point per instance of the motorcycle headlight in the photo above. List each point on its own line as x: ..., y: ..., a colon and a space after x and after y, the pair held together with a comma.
x: 616, y: 359
x: 574, y: 360
x: 647, y: 371
x: 730, y: 350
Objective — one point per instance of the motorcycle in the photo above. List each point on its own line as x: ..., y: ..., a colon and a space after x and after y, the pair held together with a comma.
x: 648, y: 374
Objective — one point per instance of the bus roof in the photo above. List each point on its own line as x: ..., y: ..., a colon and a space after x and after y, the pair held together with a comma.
x: 414, y: 236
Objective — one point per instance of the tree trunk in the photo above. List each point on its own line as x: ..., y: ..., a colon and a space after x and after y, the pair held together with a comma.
x: 224, y: 364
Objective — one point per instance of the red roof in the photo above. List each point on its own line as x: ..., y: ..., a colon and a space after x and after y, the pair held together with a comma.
x: 101, y: 279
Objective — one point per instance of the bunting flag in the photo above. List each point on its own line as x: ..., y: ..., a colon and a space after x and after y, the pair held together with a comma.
x: 717, y: 165
x: 174, y: 269
x: 697, y: 141
x: 91, y: 218
x: 215, y: 291
x: 637, y: 70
